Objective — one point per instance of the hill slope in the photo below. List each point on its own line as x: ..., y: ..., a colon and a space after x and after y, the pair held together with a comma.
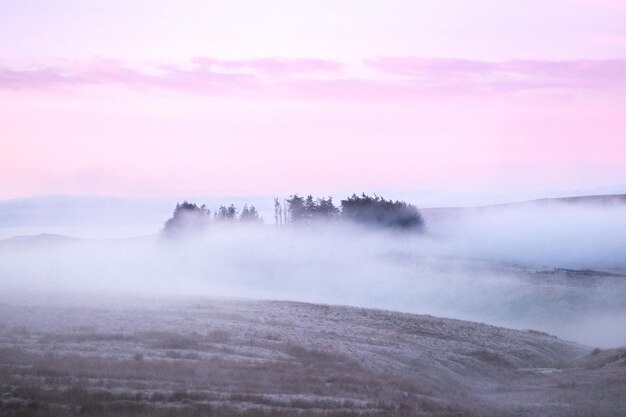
x: 607, y: 200
x: 186, y: 357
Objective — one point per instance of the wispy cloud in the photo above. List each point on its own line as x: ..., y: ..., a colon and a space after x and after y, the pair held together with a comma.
x: 275, y: 66
x: 201, y: 75
x: 377, y: 78
x: 467, y: 76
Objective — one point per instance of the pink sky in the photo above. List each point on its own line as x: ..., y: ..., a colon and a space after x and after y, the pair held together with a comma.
x: 109, y: 97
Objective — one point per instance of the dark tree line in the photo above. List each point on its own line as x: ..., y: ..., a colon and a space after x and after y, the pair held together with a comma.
x: 249, y: 214
x: 230, y: 213
x: 226, y: 213
x: 189, y: 216
x: 378, y: 211
x: 306, y: 210
x: 363, y: 209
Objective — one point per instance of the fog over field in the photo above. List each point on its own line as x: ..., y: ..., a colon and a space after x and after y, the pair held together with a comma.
x: 557, y: 267
x: 303, y: 208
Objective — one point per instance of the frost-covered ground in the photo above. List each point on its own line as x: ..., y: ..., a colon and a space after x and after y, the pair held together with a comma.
x: 216, y: 357
x: 157, y: 351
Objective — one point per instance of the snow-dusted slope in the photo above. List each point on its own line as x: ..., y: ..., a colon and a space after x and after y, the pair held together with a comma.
x: 184, y: 357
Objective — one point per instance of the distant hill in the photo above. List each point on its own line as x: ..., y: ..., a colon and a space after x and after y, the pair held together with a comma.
x: 40, y: 239
x: 437, y: 213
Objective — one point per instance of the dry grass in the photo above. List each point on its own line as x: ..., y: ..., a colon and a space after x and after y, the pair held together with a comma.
x: 242, y: 361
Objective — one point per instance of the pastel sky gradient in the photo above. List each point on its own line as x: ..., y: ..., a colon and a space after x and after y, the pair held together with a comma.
x: 148, y: 98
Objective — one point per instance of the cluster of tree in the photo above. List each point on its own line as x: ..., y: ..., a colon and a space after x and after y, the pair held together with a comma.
x: 226, y: 213
x: 250, y: 215
x: 305, y: 210
x: 230, y: 213
x: 378, y: 211
x: 189, y: 216
x: 362, y: 209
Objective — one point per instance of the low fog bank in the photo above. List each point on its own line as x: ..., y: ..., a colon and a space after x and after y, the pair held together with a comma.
x: 462, y: 267
x: 559, y: 234
x: 98, y: 217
